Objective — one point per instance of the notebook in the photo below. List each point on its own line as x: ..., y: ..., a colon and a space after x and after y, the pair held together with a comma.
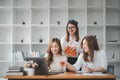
x: 42, y: 68
x: 69, y: 52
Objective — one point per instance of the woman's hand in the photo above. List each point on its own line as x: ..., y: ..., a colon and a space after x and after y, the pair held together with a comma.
x: 63, y: 63
x: 87, y: 68
x: 67, y: 65
x: 72, y: 48
x: 91, y: 69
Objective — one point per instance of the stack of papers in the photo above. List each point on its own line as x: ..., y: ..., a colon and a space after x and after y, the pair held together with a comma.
x: 94, y: 74
x: 15, y: 70
x: 90, y: 74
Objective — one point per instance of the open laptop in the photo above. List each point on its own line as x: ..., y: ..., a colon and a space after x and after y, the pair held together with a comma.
x: 42, y: 68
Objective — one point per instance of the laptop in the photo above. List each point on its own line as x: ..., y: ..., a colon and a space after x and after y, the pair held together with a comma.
x: 42, y: 68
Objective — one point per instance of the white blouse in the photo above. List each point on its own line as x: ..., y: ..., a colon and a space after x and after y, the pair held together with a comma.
x: 55, y: 66
x: 71, y: 43
x: 99, y: 60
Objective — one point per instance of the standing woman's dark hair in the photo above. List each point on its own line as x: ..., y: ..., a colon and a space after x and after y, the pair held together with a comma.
x: 71, y: 40
x: 50, y: 54
x: 93, y: 46
x: 75, y: 23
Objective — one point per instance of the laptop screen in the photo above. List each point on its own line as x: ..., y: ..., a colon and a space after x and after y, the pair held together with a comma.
x: 42, y: 68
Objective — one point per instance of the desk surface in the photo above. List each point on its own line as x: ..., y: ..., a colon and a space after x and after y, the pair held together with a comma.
x: 66, y: 75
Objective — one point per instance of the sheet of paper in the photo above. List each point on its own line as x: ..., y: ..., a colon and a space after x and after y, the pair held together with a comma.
x: 94, y: 74
x: 80, y: 72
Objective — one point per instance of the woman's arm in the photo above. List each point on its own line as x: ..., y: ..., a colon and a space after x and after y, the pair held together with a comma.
x: 99, y: 69
x: 70, y: 67
x: 75, y: 66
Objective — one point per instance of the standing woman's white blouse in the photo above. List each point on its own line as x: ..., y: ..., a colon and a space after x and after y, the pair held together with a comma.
x: 100, y: 60
x: 72, y: 42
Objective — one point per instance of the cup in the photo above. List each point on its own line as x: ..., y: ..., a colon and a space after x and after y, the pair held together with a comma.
x: 62, y: 63
x: 30, y: 71
x: 63, y: 66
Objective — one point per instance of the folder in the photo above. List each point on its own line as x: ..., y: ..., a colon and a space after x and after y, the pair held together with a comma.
x: 69, y: 52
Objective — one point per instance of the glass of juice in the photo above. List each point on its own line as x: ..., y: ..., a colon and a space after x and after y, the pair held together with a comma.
x: 62, y: 63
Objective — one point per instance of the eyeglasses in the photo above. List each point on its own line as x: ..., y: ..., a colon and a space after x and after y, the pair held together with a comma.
x: 71, y: 28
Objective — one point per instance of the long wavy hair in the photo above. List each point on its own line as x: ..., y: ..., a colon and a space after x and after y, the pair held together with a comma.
x: 77, y: 30
x: 92, y: 45
x: 50, y: 54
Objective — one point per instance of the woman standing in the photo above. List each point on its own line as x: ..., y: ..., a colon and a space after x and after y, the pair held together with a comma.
x: 71, y: 40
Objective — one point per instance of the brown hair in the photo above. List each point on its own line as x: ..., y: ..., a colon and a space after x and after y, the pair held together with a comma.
x: 50, y: 54
x: 77, y: 30
x: 92, y: 44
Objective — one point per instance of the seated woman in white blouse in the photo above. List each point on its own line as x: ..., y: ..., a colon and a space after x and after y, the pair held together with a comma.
x: 92, y: 59
x: 54, y: 56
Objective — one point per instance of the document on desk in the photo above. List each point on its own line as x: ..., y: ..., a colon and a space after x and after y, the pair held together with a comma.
x: 80, y: 72
x: 94, y: 74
